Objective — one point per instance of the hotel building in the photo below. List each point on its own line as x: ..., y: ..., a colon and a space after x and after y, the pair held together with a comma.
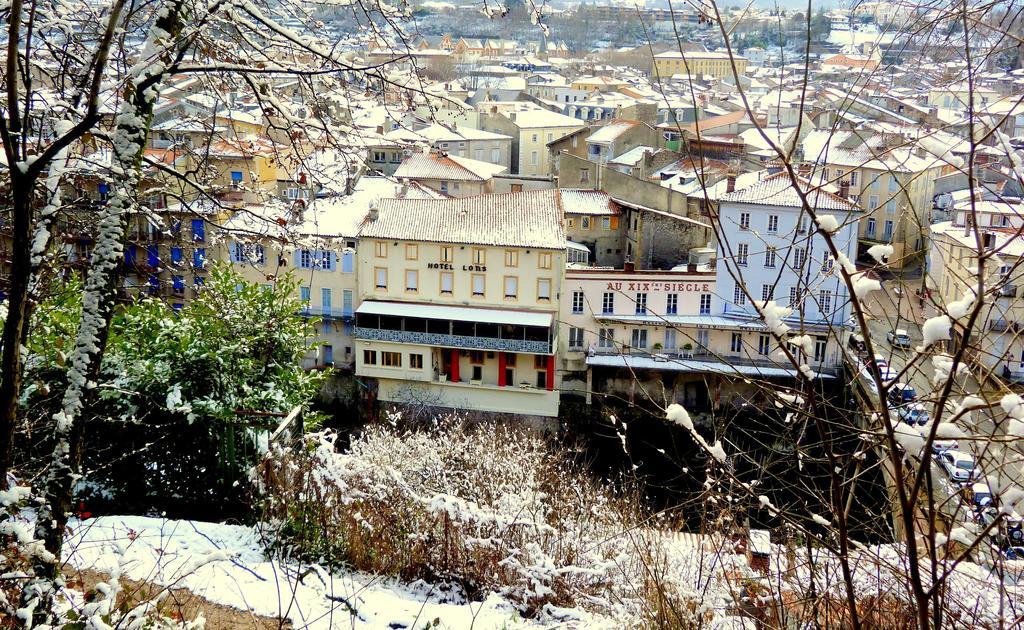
x: 459, y: 301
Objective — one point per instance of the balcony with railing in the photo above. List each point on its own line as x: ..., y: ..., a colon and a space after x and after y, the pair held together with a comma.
x: 470, y: 335
x: 327, y: 312
x: 701, y: 359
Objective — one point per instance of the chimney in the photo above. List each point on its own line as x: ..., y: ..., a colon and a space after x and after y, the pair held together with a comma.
x: 730, y: 183
x: 373, y: 213
x: 628, y: 266
x: 404, y: 190
x: 380, y: 129
x: 844, y: 189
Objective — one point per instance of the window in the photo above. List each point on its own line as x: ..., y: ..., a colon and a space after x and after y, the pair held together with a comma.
x: 544, y: 260
x: 606, y: 338
x: 890, y: 206
x: 325, y: 300
x: 639, y: 339
x: 479, y: 283
x: 608, y: 303
x: 792, y: 297
x: 894, y: 184
x: 825, y: 301
x: 511, y: 258
x: 872, y: 202
x: 511, y: 287
x: 766, y: 292
x: 380, y: 249
x: 802, y: 229
x: 736, y: 343
x: 544, y: 289
x: 446, y: 253
x: 348, y: 261
x: 799, y: 258
x: 236, y: 177
x: 739, y: 298
x: 370, y: 357
x: 773, y: 223
x: 585, y: 223
x: 820, y: 343
x: 584, y: 175
x: 670, y: 339
x: 606, y: 223
x: 575, y: 337
x: 378, y: 156
x: 447, y: 282
x: 887, y: 235
x: 853, y: 178
x: 412, y: 280
x: 199, y: 258
x: 641, y: 303
x: 742, y: 253
x: 304, y: 295
x: 176, y: 256
x: 412, y: 251
x: 703, y: 339
x: 533, y: 158
x: 198, y: 230
x: 827, y: 264
x: 769, y: 257
x: 391, y: 359
x: 870, y: 230
x: 705, y: 303
x: 744, y: 220
x: 380, y: 275
x: 570, y: 223
x: 672, y: 304
x: 764, y: 344
x: 479, y: 256
x: 416, y: 361
x: 577, y: 302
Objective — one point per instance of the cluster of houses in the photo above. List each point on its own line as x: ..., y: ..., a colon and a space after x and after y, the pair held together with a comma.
x: 540, y: 226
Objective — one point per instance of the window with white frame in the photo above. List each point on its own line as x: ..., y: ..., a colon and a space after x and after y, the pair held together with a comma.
x: 479, y: 284
x: 575, y: 337
x: 703, y: 339
x: 820, y: 344
x: 742, y: 253
x: 672, y: 304
x: 412, y: 280
x: 825, y: 301
x: 705, y: 303
x: 773, y: 223
x: 736, y: 342
x: 770, y: 255
x: 577, y: 302
x: 828, y: 263
x: 447, y: 283
x: 606, y: 338
x: 793, y: 297
x: 799, y: 258
x: 670, y: 339
x: 641, y: 303
x: 381, y: 277
x: 766, y: 292
x: 764, y: 344
x: 639, y: 338
x: 744, y: 220
x: 544, y: 289
x: 739, y: 298
x: 869, y: 231
x: 608, y: 303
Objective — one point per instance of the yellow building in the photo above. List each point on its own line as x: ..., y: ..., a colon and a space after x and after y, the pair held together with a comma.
x: 715, y: 64
x: 459, y: 301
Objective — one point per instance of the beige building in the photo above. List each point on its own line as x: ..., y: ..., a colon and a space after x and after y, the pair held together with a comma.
x: 715, y: 64
x: 531, y: 128
x: 449, y: 174
x: 952, y: 274
x: 459, y: 302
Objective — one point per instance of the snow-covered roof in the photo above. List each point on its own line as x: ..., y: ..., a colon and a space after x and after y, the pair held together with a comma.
x: 446, y: 167
x: 537, y: 118
x: 519, y: 219
x: 456, y: 313
x: 611, y: 131
x: 778, y: 190
x: 589, y: 202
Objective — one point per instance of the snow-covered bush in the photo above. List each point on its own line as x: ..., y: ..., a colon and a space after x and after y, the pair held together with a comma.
x: 489, y: 508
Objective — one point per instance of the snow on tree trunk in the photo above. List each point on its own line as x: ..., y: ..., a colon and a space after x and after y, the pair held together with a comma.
x: 129, y: 141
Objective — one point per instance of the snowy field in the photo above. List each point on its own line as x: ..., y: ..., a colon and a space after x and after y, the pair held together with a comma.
x: 226, y: 565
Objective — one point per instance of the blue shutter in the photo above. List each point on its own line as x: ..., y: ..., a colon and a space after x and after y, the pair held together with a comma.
x: 176, y: 255
x: 298, y: 258
x: 332, y: 261
x: 325, y: 300
x: 154, y: 284
x: 199, y: 258
x: 129, y: 256
x: 178, y: 282
x: 304, y: 295
x: 152, y: 256
x: 347, y: 262
x: 198, y: 230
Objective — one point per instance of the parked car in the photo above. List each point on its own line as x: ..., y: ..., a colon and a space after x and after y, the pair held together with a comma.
x: 898, y: 338
x: 979, y: 495
x: 901, y: 394
x: 913, y: 414
x: 939, y: 446
x: 958, y: 465
x: 1015, y: 553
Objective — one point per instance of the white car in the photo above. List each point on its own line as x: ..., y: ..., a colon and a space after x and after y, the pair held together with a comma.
x: 958, y: 465
x: 898, y: 338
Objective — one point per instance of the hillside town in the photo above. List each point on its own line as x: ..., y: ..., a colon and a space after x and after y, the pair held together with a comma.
x: 756, y: 269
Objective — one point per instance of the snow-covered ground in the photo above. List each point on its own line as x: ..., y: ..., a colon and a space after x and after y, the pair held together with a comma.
x: 226, y: 564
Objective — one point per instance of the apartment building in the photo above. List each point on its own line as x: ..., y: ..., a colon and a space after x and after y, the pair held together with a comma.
x: 459, y: 301
x: 466, y: 142
x: 449, y: 174
x: 531, y: 129
x: 715, y: 64
x: 952, y: 275
x: 892, y: 180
